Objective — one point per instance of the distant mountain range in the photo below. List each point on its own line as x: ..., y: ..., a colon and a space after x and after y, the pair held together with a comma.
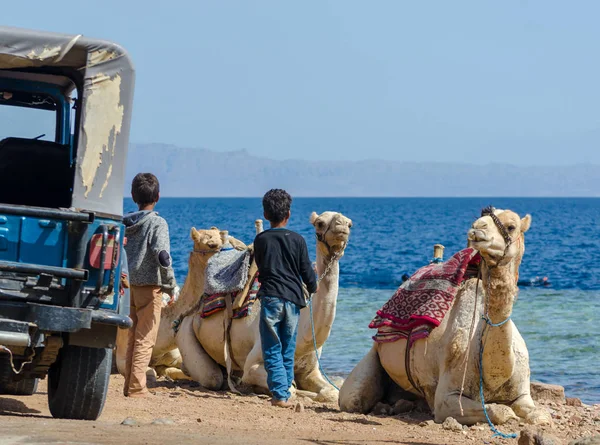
x: 204, y: 173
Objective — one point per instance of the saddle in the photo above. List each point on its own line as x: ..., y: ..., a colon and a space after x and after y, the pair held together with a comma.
x: 236, y: 300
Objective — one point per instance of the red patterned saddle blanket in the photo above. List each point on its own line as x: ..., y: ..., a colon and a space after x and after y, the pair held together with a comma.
x: 421, y: 303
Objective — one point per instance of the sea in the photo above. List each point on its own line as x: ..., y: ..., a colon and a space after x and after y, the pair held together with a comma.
x: 393, y: 236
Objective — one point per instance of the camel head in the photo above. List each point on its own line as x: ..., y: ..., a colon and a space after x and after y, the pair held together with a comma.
x: 206, y: 241
x: 499, y: 236
x: 332, y: 230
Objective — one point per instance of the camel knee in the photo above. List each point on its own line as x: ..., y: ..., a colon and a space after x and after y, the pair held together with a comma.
x: 365, y: 385
x: 255, y: 375
x: 175, y: 374
x: 199, y: 365
x: 352, y: 402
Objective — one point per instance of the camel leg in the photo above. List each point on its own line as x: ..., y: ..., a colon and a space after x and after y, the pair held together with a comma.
x: 169, y: 365
x: 200, y: 366
x: 171, y: 373
x: 365, y: 386
x: 255, y: 374
x: 121, y: 350
x: 447, y: 405
x: 526, y: 409
x: 309, y: 378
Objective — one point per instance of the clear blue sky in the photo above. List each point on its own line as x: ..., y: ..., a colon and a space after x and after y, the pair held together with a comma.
x: 466, y: 81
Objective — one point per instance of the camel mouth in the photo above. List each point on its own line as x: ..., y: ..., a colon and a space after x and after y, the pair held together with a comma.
x: 477, y: 236
x: 339, y: 242
x: 480, y: 244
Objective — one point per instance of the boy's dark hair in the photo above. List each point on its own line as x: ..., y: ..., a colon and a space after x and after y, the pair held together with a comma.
x: 145, y: 189
x: 276, y: 204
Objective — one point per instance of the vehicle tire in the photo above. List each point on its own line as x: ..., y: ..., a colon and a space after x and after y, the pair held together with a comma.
x: 11, y: 387
x: 78, y: 382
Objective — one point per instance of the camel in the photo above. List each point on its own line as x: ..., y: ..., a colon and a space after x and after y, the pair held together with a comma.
x: 201, y: 340
x: 166, y: 359
x: 451, y: 353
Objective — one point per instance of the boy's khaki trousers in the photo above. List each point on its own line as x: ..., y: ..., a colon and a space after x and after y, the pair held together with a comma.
x: 146, y: 304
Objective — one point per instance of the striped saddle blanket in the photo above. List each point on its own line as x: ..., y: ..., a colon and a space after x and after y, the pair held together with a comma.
x: 216, y: 303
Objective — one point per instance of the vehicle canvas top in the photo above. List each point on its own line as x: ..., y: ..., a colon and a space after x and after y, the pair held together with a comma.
x: 105, y: 75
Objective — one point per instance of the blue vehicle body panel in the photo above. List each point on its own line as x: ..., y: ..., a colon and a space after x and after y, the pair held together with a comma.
x: 42, y: 241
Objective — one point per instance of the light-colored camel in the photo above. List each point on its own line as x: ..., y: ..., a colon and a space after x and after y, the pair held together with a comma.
x: 201, y: 341
x: 166, y: 359
x: 437, y: 363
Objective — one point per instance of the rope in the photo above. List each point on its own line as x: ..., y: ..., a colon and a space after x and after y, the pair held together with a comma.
x: 488, y: 321
x: 12, y: 364
x: 496, y: 432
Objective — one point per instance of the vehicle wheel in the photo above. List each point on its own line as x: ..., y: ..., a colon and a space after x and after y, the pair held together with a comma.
x: 78, y: 382
x: 11, y: 387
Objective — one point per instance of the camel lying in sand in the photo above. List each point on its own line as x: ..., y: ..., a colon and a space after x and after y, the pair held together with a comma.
x: 201, y: 340
x: 437, y: 363
x: 166, y: 359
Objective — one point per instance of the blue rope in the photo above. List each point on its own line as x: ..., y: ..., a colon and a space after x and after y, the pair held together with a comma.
x: 488, y: 321
x: 312, y: 325
x: 492, y: 427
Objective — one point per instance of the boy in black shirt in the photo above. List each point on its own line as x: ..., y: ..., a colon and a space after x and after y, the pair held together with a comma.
x: 283, y: 264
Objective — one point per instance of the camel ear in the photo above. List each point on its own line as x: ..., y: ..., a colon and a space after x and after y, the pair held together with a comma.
x: 313, y: 217
x: 194, y: 234
x: 525, y: 223
x: 214, y: 228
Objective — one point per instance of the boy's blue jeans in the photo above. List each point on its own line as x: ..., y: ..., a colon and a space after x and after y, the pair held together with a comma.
x: 278, y: 328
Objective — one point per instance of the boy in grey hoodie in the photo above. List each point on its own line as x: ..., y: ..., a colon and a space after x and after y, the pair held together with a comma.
x: 150, y: 274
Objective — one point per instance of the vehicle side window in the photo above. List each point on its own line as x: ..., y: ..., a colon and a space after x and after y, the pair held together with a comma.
x: 25, y: 121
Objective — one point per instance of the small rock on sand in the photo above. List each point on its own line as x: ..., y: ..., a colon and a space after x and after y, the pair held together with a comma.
x: 427, y: 423
x: 381, y: 409
x: 574, y: 401
x: 403, y: 406
x: 592, y: 440
x: 530, y: 436
x: 451, y: 424
x: 543, y: 392
x: 129, y: 421
x: 299, y: 408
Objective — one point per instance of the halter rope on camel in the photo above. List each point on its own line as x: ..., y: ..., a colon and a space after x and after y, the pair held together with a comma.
x: 489, y: 211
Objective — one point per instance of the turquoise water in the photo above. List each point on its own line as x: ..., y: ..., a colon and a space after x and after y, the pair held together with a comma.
x: 391, y: 237
x: 561, y: 330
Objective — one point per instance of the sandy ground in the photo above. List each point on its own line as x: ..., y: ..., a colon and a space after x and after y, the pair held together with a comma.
x: 206, y: 417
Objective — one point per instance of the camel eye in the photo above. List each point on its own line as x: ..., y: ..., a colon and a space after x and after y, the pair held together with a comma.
x: 511, y: 228
x: 320, y: 224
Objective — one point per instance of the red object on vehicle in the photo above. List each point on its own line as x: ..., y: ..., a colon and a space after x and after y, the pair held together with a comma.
x: 96, y: 250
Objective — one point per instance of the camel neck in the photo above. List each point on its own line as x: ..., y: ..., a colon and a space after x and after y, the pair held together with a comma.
x: 501, y: 289
x: 193, y: 287
x: 324, y: 301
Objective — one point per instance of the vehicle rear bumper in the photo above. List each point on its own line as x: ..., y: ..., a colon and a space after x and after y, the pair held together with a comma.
x: 60, y: 319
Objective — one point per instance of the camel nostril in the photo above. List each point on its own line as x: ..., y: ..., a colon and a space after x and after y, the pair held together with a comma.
x: 212, y: 245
